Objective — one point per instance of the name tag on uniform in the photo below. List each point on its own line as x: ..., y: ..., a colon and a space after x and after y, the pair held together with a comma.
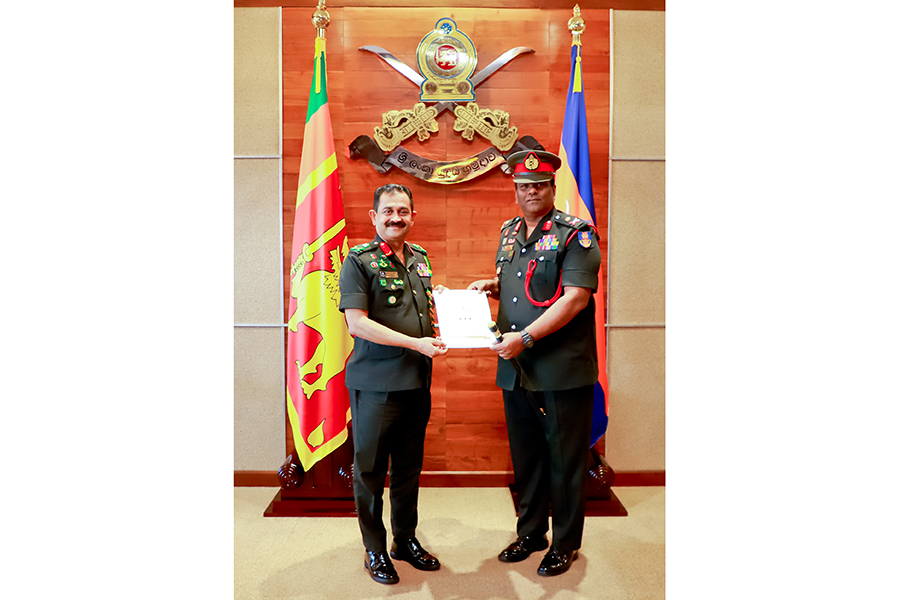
x: 390, y: 274
x: 423, y: 269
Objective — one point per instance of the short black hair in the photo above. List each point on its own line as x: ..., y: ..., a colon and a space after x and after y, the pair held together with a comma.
x: 392, y: 188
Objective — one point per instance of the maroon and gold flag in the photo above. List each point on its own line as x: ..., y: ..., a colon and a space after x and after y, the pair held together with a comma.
x: 318, y: 340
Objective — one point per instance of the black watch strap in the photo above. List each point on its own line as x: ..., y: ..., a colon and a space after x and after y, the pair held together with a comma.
x: 527, y: 339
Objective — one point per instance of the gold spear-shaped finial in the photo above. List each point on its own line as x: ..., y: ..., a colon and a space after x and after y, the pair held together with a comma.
x: 321, y: 19
x: 576, y: 25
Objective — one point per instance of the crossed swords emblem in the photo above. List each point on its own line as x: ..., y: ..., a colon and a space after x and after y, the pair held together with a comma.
x: 471, y: 119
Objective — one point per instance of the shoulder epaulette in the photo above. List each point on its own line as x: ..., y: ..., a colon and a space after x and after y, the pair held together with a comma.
x: 418, y: 247
x: 571, y: 221
x: 360, y: 248
x: 510, y: 222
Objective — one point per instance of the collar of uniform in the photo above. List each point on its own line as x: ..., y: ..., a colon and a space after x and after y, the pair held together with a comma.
x: 410, y: 256
x: 539, y: 231
x: 386, y: 249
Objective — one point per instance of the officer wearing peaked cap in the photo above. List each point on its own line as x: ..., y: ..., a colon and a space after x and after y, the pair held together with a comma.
x: 533, y: 165
x: 547, y: 267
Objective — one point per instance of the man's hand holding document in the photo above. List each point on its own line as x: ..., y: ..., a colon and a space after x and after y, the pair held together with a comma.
x: 464, y: 317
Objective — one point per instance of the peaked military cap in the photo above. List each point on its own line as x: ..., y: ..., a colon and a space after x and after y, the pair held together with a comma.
x: 531, y: 166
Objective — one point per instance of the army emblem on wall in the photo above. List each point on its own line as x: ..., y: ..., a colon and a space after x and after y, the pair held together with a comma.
x: 446, y: 59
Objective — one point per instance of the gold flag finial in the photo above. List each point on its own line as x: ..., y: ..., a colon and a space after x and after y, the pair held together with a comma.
x: 576, y: 25
x: 321, y: 19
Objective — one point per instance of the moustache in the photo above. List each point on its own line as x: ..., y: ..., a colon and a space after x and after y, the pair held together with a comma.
x: 396, y: 224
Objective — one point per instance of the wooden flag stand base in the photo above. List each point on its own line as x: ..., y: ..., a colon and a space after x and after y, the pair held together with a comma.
x: 326, y: 490
x: 601, y: 501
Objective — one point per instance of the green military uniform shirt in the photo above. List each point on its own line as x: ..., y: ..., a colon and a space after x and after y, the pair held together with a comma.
x: 396, y: 296
x: 562, y: 251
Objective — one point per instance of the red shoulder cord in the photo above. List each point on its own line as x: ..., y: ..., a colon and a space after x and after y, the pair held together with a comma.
x: 531, y: 266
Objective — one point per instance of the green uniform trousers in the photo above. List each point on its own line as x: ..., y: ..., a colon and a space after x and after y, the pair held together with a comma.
x: 550, y: 455
x: 388, y: 427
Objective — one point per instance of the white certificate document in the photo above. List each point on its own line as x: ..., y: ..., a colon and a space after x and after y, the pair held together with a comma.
x: 463, y: 316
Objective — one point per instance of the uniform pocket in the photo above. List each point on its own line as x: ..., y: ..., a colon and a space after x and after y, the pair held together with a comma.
x: 546, y: 271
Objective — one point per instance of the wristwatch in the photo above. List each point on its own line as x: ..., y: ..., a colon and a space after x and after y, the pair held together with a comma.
x: 527, y: 339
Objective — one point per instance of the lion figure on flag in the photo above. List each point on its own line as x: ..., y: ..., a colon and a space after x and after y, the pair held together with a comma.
x: 318, y: 296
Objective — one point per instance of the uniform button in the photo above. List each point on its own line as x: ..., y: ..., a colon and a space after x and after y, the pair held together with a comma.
x: 523, y: 250
x: 414, y: 292
x: 515, y: 299
x: 420, y: 315
x: 519, y: 274
x: 513, y: 327
x: 541, y: 259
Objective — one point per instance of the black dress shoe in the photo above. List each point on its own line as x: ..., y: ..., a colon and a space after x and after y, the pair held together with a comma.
x: 412, y: 552
x: 380, y: 567
x: 556, y: 562
x: 522, y: 547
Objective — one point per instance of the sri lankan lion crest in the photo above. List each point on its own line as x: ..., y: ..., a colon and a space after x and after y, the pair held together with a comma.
x: 318, y: 295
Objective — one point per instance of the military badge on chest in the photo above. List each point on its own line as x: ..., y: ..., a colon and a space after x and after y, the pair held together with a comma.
x: 423, y: 269
x: 548, y: 242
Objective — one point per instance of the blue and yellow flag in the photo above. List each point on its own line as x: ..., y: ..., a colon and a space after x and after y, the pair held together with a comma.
x: 575, y: 196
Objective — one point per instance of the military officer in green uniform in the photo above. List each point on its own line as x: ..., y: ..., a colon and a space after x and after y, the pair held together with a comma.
x: 386, y: 297
x: 547, y: 270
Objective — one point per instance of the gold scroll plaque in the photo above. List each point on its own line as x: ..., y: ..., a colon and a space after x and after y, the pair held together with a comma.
x: 490, y: 124
x: 400, y: 124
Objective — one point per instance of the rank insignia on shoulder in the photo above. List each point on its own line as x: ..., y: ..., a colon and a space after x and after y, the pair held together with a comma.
x: 584, y: 239
x: 423, y: 269
x: 360, y: 248
x: 418, y: 247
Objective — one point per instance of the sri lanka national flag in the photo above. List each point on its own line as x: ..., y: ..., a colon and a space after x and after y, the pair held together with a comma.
x: 318, y: 343
x: 575, y: 196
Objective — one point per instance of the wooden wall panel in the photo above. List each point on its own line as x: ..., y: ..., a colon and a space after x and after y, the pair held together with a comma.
x: 458, y: 224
